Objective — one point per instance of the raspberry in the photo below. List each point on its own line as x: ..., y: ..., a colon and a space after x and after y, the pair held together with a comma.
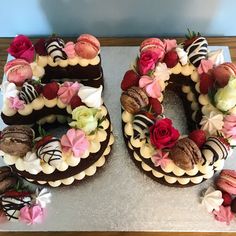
x: 75, y: 102
x: 50, y: 90
x: 156, y: 105
x: 198, y: 136
x: 206, y: 83
x: 130, y: 79
x: 227, y: 199
x: 171, y: 59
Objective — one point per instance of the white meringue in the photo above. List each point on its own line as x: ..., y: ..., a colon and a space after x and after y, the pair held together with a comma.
x: 9, y: 90
x: 216, y: 56
x: 212, y: 122
x: 92, y: 97
x: 38, y: 71
x: 162, y: 72
x: 212, y: 199
x: 42, y: 197
x: 183, y: 56
x: 32, y: 163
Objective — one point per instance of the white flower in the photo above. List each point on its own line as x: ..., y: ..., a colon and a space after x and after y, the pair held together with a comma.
x: 42, y: 197
x: 32, y: 163
x: 9, y: 90
x: 212, y: 199
x: 92, y: 97
x: 162, y: 72
x: 212, y: 122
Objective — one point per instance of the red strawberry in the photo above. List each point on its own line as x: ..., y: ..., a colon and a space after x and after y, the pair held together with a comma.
x: 148, y: 115
x: 206, y: 83
x: 171, y: 59
x: 191, y: 37
x: 156, y: 105
x: 75, y: 102
x: 37, y: 85
x: 50, y: 90
x: 42, y: 141
x: 227, y: 199
x: 198, y: 136
x: 130, y: 79
x: 13, y: 193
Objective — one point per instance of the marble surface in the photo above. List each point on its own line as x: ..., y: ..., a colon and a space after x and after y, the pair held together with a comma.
x: 120, y: 197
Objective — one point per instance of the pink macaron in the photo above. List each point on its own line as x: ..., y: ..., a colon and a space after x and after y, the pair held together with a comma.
x: 87, y: 46
x: 153, y: 44
x: 18, y: 71
x: 223, y: 72
x: 227, y: 181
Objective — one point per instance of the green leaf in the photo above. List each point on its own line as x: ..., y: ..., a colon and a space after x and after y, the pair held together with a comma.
x: 211, y: 95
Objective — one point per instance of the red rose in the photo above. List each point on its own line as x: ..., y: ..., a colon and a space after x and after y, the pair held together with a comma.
x: 163, y: 134
x: 21, y: 47
x: 148, y: 60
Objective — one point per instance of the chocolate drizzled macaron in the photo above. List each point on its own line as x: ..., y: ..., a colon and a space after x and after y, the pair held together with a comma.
x: 134, y: 99
x: 7, y: 180
x: 16, y: 140
x: 185, y: 154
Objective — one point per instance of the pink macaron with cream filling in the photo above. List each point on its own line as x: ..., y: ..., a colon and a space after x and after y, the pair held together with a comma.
x: 227, y: 181
x: 87, y: 46
x: 223, y: 72
x: 153, y: 44
x: 18, y: 71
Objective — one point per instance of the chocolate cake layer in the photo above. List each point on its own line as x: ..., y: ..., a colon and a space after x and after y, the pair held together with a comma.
x: 71, y: 171
x: 149, y: 163
x: 36, y: 115
x: 90, y: 75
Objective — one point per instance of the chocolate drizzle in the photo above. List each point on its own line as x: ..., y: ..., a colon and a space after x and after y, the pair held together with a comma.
x: 197, y: 51
x: 50, y: 152
x: 55, y: 49
x: 217, y: 149
x: 141, y: 124
x: 12, y: 205
x: 28, y: 93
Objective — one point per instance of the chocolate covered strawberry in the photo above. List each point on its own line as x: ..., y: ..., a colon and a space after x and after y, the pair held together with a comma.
x: 190, y: 38
x: 43, y: 141
x: 50, y: 90
x: 130, y: 79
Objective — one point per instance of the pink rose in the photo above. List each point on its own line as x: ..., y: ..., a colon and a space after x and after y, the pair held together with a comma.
x: 163, y: 134
x: 148, y: 60
x: 21, y: 47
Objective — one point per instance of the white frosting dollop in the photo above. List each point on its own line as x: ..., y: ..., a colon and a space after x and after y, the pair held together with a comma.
x: 212, y: 122
x: 183, y: 56
x: 92, y: 97
x: 212, y: 199
x: 31, y: 163
x: 42, y: 197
